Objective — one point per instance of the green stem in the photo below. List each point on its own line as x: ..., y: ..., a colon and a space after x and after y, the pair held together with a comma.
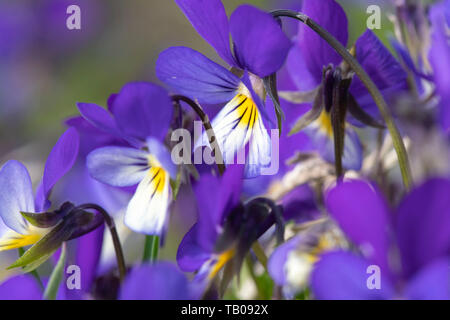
x: 250, y: 267
x: 369, y: 84
x: 151, y: 249
x: 260, y: 254
x: 34, y: 273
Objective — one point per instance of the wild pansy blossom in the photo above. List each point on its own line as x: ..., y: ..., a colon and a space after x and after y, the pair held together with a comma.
x: 197, y: 250
x: 259, y: 49
x: 226, y: 227
x: 140, y: 114
x: 411, y: 246
x: 316, y: 68
x: 16, y: 193
x: 291, y: 264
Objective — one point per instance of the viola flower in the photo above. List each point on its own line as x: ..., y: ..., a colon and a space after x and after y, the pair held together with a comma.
x: 291, y: 264
x: 260, y: 49
x: 160, y: 281
x: 16, y: 193
x: 197, y: 249
x: 226, y: 228
x: 411, y: 246
x: 439, y: 57
x: 321, y: 75
x: 140, y: 115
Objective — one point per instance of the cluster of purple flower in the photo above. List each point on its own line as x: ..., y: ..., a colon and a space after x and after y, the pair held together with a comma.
x: 334, y: 211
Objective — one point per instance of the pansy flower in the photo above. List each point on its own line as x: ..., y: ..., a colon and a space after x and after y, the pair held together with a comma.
x: 140, y: 115
x: 410, y: 247
x: 291, y: 264
x: 197, y: 250
x: 226, y: 227
x: 327, y: 82
x: 16, y: 193
x: 259, y: 50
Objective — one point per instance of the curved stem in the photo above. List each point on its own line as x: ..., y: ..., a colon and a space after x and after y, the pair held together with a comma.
x: 115, y: 237
x: 209, y: 130
x: 369, y: 84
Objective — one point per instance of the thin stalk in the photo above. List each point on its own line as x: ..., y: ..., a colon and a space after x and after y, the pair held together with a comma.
x: 115, y: 237
x: 250, y: 267
x: 260, y: 254
x: 368, y: 83
x: 208, y: 128
x: 151, y: 249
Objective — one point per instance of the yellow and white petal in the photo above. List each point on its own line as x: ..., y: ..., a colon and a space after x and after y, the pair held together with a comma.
x: 321, y: 134
x: 236, y: 124
x: 260, y: 151
x: 147, y: 210
x: 13, y: 240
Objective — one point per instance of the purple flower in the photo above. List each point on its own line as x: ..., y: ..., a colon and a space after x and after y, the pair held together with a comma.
x: 309, y: 57
x: 440, y: 59
x: 139, y: 115
x: 197, y: 249
x: 160, y: 281
x: 410, y: 246
x: 260, y: 49
x: 16, y: 193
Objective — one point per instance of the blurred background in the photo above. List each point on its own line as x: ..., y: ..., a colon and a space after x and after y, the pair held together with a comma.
x: 45, y: 69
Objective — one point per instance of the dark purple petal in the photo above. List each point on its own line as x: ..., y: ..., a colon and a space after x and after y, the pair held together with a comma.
x: 423, y: 225
x: 99, y: 118
x: 210, y: 20
x: 143, y: 109
x: 277, y: 261
x: 190, y: 255
x: 88, y: 251
x: 440, y: 59
x: 300, y: 205
x: 216, y: 197
x: 22, y: 287
x: 316, y: 51
x: 362, y: 214
x: 343, y: 276
x: 299, y: 72
x: 382, y: 68
x: 59, y: 162
x: 261, y: 47
x: 431, y: 282
x: 161, y: 281
x: 190, y: 73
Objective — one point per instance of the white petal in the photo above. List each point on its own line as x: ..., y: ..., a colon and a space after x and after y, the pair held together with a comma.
x: 147, y: 210
x: 16, y: 195
x: 236, y: 124
x: 118, y: 166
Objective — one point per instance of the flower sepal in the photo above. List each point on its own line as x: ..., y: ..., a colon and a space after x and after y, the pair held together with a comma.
x: 67, y: 223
